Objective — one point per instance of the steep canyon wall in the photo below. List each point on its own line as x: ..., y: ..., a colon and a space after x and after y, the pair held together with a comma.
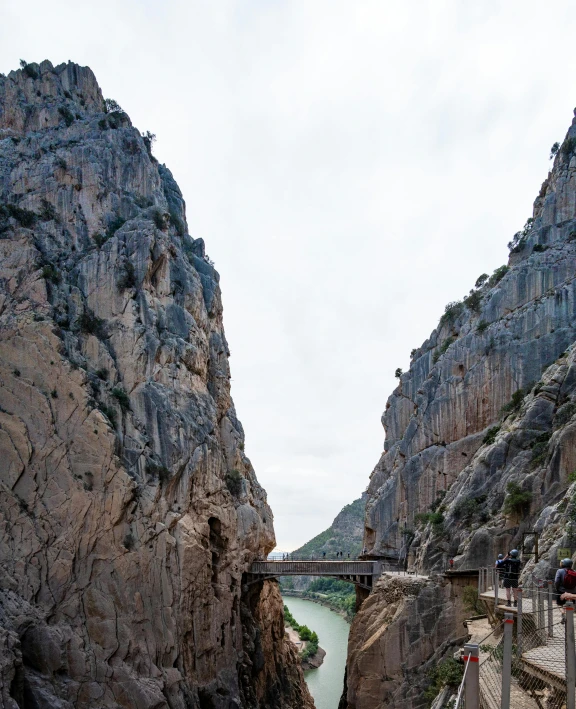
x: 480, y: 447
x: 128, y: 508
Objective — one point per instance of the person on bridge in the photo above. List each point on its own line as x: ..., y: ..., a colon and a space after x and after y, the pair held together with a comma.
x: 323, y: 554
x: 512, y: 566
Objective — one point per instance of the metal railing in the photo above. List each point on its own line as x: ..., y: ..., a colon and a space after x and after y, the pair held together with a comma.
x: 315, y: 568
x: 533, y: 664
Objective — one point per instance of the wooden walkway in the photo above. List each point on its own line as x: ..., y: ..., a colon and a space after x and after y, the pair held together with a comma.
x: 545, y: 656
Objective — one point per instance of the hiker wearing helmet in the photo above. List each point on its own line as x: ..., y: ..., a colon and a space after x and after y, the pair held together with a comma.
x: 565, y: 581
x: 512, y: 566
x: 500, y: 567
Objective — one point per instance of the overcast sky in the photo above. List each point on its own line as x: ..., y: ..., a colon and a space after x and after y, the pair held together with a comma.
x: 352, y: 166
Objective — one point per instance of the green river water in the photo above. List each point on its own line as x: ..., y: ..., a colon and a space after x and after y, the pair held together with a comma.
x: 326, y: 682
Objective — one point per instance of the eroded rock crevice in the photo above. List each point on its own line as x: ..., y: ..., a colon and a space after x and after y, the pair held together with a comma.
x: 129, y: 510
x: 479, y: 450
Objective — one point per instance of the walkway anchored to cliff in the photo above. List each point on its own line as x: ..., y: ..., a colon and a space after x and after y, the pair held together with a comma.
x: 530, y: 659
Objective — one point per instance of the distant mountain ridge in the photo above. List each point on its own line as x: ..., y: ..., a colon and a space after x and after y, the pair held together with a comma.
x: 345, y: 534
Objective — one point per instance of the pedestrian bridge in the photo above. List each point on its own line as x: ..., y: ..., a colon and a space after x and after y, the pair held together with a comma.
x: 360, y: 573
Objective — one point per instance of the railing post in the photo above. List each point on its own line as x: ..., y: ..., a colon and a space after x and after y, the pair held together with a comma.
x: 550, y: 611
x: 507, y: 661
x: 480, y: 580
x: 519, y: 623
x: 496, y: 588
x: 472, y: 681
x: 541, y: 624
x: 570, y: 657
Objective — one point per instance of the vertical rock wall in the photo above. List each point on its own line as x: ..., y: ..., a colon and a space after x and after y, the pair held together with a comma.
x: 498, y: 341
x: 128, y: 508
x: 479, y: 452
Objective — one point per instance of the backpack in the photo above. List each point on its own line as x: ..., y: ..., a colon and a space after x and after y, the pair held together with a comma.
x: 569, y: 579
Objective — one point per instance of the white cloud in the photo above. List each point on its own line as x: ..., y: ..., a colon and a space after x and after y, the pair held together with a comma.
x: 352, y: 167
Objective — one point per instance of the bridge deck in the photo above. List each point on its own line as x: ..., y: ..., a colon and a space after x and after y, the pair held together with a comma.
x: 316, y: 568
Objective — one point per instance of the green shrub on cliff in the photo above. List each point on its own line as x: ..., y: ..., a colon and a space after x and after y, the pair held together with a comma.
x: 67, y: 115
x: 568, y: 147
x: 234, y: 482
x: 514, y: 404
x: 122, y: 398
x: 446, y: 673
x: 473, y: 301
x: 491, y: 434
x: 451, y: 312
x: 516, y: 499
x: 497, y: 276
x: 28, y: 69
x: 434, y: 518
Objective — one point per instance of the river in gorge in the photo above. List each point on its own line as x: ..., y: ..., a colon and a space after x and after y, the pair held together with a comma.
x: 327, y: 681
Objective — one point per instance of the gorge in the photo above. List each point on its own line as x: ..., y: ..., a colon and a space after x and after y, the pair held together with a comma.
x: 130, y: 512
x: 480, y: 451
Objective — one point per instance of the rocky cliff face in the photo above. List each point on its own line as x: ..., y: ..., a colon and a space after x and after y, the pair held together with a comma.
x: 129, y: 510
x: 487, y: 353
x: 404, y: 627
x: 480, y: 448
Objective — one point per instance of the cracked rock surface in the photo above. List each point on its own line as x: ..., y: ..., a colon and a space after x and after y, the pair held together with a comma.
x: 480, y: 450
x: 129, y: 511
x: 479, y: 370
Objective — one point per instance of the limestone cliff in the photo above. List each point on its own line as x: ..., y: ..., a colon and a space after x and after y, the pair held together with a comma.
x: 480, y: 448
x: 129, y: 510
x: 468, y: 381
x: 404, y: 627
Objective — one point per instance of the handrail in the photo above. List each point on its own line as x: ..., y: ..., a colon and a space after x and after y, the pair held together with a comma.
x: 363, y: 568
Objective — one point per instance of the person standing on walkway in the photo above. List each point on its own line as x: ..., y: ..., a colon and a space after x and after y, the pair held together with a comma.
x: 565, y: 580
x: 512, y: 566
x: 499, y: 565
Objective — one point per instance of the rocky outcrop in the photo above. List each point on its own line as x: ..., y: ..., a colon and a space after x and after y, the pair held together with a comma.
x: 401, y: 631
x: 128, y: 507
x: 486, y: 353
x: 480, y: 444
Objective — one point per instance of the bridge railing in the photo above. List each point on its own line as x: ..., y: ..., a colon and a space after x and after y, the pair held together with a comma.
x: 314, y: 568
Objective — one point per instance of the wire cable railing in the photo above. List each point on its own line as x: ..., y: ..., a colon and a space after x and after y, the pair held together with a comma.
x: 533, y: 663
